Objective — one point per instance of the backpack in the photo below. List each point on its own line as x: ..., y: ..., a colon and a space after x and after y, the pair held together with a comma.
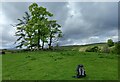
x: 80, y: 71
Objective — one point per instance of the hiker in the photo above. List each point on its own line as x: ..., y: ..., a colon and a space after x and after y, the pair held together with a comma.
x: 80, y: 71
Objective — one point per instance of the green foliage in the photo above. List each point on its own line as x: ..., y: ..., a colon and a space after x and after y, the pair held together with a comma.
x: 54, y: 32
x: 88, y: 49
x: 110, y: 42
x: 117, y: 47
x: 21, y: 30
x: 93, y: 49
x: 105, y: 49
x: 36, y: 27
x: 112, y: 50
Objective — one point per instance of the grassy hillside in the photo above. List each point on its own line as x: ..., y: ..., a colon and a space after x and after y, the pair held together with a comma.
x: 58, y: 65
x: 82, y: 47
x: 0, y: 67
x: 70, y: 47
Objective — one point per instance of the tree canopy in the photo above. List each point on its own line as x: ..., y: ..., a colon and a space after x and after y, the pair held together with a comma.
x: 35, y: 28
x: 110, y: 42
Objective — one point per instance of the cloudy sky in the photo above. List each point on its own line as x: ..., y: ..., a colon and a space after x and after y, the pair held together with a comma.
x: 82, y: 22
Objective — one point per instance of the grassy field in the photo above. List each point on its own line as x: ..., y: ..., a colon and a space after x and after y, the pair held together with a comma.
x: 59, y: 65
x: 0, y: 67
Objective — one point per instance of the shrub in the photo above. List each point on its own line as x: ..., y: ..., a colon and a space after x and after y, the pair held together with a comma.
x: 110, y: 43
x: 93, y: 49
x: 105, y: 49
x: 88, y: 49
x: 117, y: 47
x: 112, y: 49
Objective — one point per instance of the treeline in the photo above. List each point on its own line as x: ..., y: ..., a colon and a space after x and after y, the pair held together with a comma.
x: 109, y: 47
x: 35, y: 29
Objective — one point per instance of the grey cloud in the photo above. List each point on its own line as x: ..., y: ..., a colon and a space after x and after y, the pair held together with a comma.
x: 99, y: 19
x: 14, y: 10
x: 59, y: 9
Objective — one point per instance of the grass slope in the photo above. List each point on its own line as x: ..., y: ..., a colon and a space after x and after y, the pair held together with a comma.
x: 82, y: 47
x: 0, y: 67
x: 60, y: 65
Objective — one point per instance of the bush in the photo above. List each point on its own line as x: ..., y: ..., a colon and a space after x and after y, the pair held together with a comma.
x: 105, y: 49
x: 110, y: 43
x: 117, y: 48
x: 88, y: 49
x: 112, y: 49
x: 93, y: 49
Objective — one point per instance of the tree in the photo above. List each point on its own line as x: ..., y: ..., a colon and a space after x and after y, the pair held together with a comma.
x: 21, y: 30
x: 35, y: 29
x: 54, y: 32
x: 39, y: 18
x: 44, y: 34
x: 110, y: 43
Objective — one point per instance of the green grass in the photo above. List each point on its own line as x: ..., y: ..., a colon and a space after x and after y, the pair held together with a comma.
x: 0, y: 67
x: 59, y: 65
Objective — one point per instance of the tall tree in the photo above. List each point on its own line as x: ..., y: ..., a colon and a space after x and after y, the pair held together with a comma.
x: 54, y: 32
x: 35, y: 29
x: 39, y: 18
x: 21, y: 30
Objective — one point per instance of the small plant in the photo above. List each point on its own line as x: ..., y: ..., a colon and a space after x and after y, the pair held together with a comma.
x: 51, y: 56
x: 101, y: 57
x: 27, y: 56
x: 33, y: 58
x: 60, y: 57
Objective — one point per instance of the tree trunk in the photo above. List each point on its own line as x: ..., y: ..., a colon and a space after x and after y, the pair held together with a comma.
x: 50, y: 41
x: 38, y: 42
x: 30, y: 42
x: 42, y: 45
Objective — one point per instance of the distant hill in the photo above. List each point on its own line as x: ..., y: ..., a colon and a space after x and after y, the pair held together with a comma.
x: 85, y: 45
x: 69, y: 47
x: 81, y: 47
